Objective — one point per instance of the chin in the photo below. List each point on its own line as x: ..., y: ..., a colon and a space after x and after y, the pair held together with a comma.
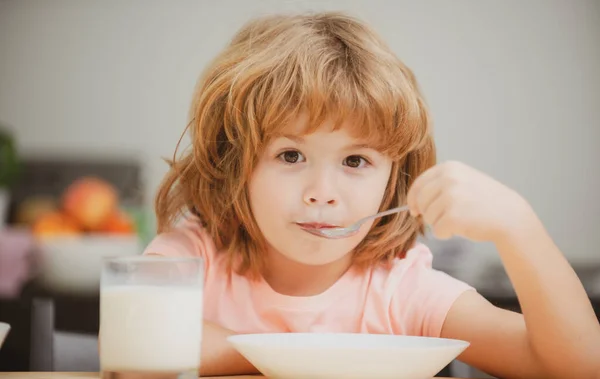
x: 314, y: 261
x: 317, y: 255
x: 307, y: 249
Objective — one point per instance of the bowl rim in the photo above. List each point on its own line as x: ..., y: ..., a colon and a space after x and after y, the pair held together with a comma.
x: 455, y: 343
x: 88, y: 237
x: 150, y: 258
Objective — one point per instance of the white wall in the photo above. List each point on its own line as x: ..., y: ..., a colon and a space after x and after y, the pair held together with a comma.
x: 514, y: 86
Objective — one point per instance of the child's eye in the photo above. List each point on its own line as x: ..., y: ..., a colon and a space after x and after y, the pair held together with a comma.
x: 355, y: 161
x: 290, y: 156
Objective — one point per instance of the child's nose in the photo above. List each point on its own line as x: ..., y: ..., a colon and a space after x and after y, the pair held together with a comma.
x: 317, y: 201
x: 321, y: 192
x: 321, y: 187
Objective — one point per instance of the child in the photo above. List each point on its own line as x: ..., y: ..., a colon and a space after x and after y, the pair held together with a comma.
x: 310, y: 121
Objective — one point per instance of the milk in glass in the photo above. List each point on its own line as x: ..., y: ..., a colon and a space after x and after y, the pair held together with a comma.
x: 151, y: 325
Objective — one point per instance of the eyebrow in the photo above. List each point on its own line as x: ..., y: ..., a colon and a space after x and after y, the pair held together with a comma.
x: 300, y: 140
x: 294, y: 138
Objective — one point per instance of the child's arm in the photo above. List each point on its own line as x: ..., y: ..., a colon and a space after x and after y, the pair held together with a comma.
x: 218, y: 357
x: 558, y: 334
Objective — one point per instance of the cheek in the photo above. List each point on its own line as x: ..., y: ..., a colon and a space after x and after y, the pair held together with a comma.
x: 380, y: 186
x: 268, y: 195
x: 365, y: 199
x: 259, y: 191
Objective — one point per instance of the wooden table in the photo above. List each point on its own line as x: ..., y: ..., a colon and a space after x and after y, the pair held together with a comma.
x: 94, y: 375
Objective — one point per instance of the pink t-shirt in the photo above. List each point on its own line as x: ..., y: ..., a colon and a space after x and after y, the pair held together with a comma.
x: 411, y: 298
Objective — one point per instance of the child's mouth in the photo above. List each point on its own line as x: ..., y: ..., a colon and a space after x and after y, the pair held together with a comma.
x: 315, y: 225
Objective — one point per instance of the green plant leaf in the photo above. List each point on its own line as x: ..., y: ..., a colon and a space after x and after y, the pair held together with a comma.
x: 10, y: 166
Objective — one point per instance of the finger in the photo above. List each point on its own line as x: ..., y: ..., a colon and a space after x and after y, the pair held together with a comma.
x: 427, y: 195
x: 435, y: 210
x: 443, y: 227
x: 450, y: 222
x: 415, y: 189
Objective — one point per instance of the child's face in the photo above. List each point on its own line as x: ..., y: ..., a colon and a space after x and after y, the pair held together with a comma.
x: 321, y: 178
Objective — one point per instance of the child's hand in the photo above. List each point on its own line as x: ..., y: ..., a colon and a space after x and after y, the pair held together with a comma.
x: 457, y: 200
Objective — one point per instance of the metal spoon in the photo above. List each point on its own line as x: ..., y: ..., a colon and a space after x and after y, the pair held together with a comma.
x: 335, y: 233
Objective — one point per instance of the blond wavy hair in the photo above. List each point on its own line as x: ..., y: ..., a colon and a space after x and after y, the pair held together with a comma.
x: 329, y: 65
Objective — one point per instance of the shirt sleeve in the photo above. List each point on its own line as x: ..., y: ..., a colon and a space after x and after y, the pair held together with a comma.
x: 187, y: 239
x: 422, y: 295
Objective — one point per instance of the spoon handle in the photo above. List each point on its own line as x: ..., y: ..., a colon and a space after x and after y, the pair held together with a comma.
x: 388, y: 212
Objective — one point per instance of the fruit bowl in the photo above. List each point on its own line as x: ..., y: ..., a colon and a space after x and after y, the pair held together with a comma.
x: 348, y: 356
x: 75, y: 231
x: 73, y: 264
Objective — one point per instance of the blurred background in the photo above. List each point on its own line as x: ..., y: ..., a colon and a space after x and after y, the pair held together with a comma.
x: 94, y: 94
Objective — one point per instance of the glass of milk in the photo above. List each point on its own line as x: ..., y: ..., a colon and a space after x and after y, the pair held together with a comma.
x: 151, y: 317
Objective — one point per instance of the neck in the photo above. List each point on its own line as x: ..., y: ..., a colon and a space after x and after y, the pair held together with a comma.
x: 292, y: 278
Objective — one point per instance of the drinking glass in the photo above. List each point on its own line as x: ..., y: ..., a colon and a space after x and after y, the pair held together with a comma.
x: 151, y: 317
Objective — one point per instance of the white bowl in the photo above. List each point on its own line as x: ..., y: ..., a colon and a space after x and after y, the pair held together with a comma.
x: 348, y: 356
x: 73, y: 264
x: 4, y: 329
